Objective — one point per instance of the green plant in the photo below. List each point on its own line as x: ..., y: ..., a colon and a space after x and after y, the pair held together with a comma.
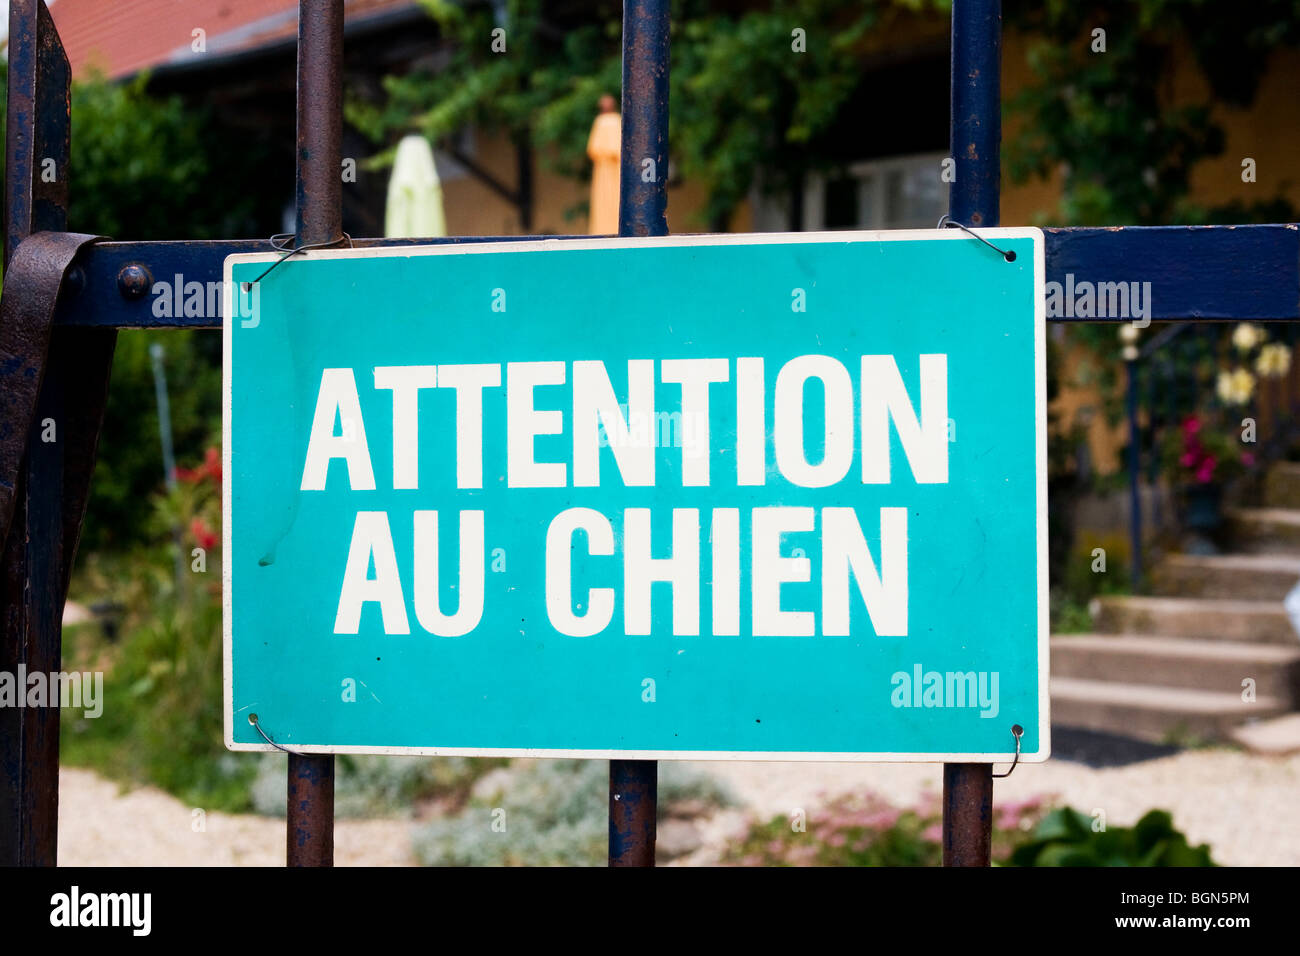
x: 743, y: 100
x: 548, y: 813
x: 147, y: 167
x: 162, y: 721
x: 867, y: 830
x: 374, y: 786
x: 1066, y: 837
x: 1105, y: 120
x: 1069, y: 615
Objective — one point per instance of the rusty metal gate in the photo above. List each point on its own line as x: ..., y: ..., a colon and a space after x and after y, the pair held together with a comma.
x: 65, y: 295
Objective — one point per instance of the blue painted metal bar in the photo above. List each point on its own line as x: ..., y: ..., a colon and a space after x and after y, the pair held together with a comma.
x: 976, y: 120
x: 643, y: 179
x: 642, y: 211
x: 976, y: 111
x: 1196, y: 272
x: 1205, y: 273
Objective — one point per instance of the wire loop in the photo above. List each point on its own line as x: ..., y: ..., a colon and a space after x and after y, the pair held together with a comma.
x: 1016, y: 731
x: 282, y: 242
x: 252, y: 719
x: 946, y: 220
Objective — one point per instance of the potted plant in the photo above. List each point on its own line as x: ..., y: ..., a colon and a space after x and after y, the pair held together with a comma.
x: 1210, y: 447
x: 1200, y: 458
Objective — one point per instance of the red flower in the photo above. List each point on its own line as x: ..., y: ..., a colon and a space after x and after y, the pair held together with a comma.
x: 212, y: 465
x: 204, y: 536
x: 210, y: 469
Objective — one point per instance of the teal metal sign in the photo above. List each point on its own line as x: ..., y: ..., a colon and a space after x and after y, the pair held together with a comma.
x: 716, y: 497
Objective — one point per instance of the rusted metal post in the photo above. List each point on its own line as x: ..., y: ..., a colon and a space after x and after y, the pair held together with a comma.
x: 31, y: 585
x: 967, y: 813
x: 976, y: 118
x: 642, y: 211
x: 320, y: 219
x: 633, y: 809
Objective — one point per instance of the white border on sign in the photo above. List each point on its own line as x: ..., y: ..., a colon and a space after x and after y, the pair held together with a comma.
x: 731, y: 239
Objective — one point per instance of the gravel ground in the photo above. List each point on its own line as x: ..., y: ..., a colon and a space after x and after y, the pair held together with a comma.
x: 1242, y: 805
x: 99, y: 825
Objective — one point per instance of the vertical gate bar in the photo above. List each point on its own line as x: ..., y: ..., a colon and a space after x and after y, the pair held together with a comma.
x: 642, y: 211
x: 310, y: 824
x: 1135, y: 475
x: 32, y: 585
x: 967, y: 814
x: 643, y: 155
x: 976, y: 118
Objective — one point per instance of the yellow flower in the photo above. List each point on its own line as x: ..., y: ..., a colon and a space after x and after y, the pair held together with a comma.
x: 1246, y: 336
x: 1274, y: 361
x: 1235, y: 387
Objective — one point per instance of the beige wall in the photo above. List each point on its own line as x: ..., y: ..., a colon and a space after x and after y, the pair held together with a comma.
x: 1267, y: 133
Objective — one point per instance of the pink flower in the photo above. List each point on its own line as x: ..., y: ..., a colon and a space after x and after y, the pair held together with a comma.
x: 1205, y: 472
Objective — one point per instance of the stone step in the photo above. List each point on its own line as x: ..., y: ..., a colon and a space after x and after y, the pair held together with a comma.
x: 1261, y: 530
x: 1278, y: 737
x: 1147, y: 712
x: 1246, y: 577
x: 1282, y: 485
x: 1219, y: 666
x: 1218, y: 619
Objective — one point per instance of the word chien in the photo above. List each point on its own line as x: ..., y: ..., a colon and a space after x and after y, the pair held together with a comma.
x: 856, y: 424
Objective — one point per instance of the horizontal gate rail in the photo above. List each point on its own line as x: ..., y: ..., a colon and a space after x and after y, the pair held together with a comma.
x: 1207, y: 273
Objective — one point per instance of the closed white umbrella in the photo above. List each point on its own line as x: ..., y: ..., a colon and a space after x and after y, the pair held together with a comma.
x: 414, y: 193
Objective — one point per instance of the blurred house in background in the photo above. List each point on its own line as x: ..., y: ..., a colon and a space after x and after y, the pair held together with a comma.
x: 887, y: 144
x: 890, y: 139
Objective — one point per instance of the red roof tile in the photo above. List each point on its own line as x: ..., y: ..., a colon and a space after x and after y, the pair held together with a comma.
x: 122, y: 37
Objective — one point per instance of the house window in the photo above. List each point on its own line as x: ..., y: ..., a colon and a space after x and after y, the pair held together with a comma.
x: 901, y: 192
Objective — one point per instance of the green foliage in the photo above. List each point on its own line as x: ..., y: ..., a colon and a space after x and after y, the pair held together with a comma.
x: 161, y: 721
x: 1066, y: 837
x: 373, y: 786
x: 148, y: 167
x: 555, y: 814
x: 741, y: 102
x: 1106, y: 120
x: 866, y: 830
x: 130, y: 469
x: 740, y: 98
x: 145, y: 167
